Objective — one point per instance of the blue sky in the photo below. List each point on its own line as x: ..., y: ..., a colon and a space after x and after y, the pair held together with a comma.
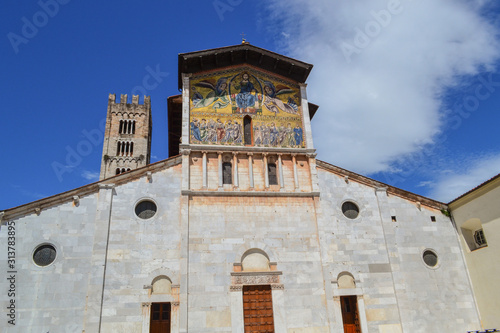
x: 409, y: 92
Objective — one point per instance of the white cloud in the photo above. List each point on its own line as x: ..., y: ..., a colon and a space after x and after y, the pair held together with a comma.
x: 425, y: 183
x: 90, y: 175
x: 383, y: 101
x: 451, y: 185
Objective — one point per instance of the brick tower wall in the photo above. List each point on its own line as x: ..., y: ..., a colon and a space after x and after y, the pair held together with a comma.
x: 112, y: 159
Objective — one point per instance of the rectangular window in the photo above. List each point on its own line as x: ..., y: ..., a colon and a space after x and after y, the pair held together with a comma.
x: 227, y: 177
x: 160, y: 318
x: 271, y: 169
x: 258, y: 309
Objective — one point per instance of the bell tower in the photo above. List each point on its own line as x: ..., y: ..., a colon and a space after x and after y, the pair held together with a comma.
x: 127, y: 137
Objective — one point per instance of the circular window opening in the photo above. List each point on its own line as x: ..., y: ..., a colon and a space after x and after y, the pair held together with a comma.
x: 44, y: 255
x: 350, y: 209
x: 145, y: 209
x: 430, y: 258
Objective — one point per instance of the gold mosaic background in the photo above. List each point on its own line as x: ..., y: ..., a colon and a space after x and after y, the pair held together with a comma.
x: 219, y: 102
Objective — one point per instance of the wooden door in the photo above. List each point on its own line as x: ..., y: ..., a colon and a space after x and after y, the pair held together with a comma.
x: 160, y: 318
x: 350, y: 314
x: 258, y: 309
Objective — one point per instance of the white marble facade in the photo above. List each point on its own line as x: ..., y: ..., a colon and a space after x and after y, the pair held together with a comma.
x: 108, y: 258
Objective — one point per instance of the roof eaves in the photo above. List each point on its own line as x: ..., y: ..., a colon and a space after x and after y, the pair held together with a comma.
x: 39, y: 205
x: 377, y: 184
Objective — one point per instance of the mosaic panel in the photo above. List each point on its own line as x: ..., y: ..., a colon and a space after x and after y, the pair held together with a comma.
x: 220, y: 101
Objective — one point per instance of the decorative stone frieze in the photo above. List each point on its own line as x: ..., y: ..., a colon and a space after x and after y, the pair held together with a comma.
x: 251, y: 278
x: 236, y: 288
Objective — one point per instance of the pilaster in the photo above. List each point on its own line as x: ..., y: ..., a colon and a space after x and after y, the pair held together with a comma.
x: 306, y: 116
x: 97, y: 275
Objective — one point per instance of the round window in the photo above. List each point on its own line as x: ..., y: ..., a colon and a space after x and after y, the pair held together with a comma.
x: 430, y: 258
x: 44, y: 255
x: 145, y: 209
x: 350, y: 209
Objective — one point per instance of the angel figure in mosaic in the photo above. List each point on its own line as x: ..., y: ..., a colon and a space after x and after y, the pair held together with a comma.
x: 218, y: 94
x: 273, y: 103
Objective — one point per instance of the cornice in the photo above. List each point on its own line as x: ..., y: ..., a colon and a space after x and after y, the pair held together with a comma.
x: 248, y: 193
x: 379, y: 186
x: 42, y: 204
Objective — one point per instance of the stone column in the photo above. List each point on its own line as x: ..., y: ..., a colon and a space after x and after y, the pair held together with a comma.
x: 295, y: 174
x: 146, y: 316
x: 219, y: 157
x: 266, y: 172
x: 174, y: 317
x: 237, y: 318
x: 235, y: 168
x: 337, y: 324
x: 362, y: 314
x: 250, y: 169
x: 204, y: 169
x: 280, y: 169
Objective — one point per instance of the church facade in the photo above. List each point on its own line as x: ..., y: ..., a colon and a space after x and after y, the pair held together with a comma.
x: 242, y: 229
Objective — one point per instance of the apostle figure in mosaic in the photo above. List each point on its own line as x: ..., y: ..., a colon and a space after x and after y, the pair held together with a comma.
x: 289, y: 139
x: 195, y: 130
x: 298, y: 135
x: 203, y: 130
x: 221, y: 130
x: 211, y: 131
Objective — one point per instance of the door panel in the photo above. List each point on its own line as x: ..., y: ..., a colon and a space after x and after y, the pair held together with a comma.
x: 258, y: 309
x: 350, y: 315
x: 160, y: 318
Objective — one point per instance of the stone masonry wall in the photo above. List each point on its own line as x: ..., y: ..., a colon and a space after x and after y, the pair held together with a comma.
x: 400, y: 292
x: 52, y: 298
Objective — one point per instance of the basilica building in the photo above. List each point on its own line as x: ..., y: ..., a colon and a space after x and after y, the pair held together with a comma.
x: 240, y: 230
